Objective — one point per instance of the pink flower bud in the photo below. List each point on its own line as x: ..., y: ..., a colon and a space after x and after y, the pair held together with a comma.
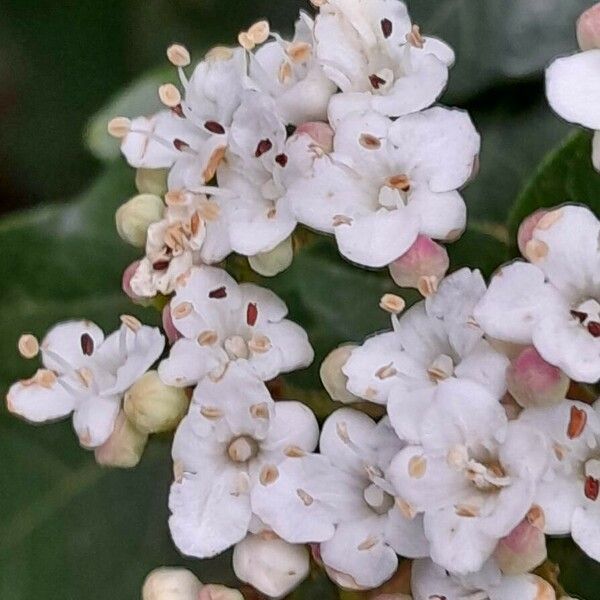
x: 423, y: 266
x: 526, y: 229
x: 524, y: 548
x: 534, y: 382
x: 169, y: 328
x: 588, y: 28
x: 126, y: 285
x: 219, y: 592
x: 321, y: 133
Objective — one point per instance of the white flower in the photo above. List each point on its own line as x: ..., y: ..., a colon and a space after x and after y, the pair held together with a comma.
x: 233, y: 429
x: 553, y: 303
x: 569, y: 493
x: 271, y: 565
x: 432, y: 582
x: 289, y: 73
x: 370, y: 49
x: 85, y: 374
x: 387, y: 181
x: 474, y: 476
x: 222, y: 322
x: 342, y: 500
x: 433, y: 341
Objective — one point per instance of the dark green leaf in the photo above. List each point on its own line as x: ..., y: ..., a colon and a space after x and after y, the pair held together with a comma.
x: 579, y: 574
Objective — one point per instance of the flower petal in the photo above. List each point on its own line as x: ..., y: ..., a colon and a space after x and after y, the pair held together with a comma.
x: 94, y: 419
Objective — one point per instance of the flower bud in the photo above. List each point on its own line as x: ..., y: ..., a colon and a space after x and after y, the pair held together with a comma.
x: 321, y: 134
x: 169, y: 328
x: 272, y: 566
x: 171, y: 583
x: 524, y: 548
x: 128, y: 275
x: 219, y: 592
x: 588, y: 28
x: 135, y: 216
x: 275, y: 261
x: 125, y: 446
x: 422, y: 267
x: 154, y: 407
x: 333, y: 378
x: 526, y: 229
x: 151, y: 181
x: 533, y: 382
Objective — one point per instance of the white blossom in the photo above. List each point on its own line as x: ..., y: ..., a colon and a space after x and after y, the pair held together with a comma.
x: 552, y: 301
x: 222, y: 322
x: 86, y: 375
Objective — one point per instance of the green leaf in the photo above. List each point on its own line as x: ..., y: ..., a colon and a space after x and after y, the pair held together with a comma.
x: 565, y: 175
x: 579, y: 574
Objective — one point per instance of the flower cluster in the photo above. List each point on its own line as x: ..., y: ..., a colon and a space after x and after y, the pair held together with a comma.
x: 482, y: 449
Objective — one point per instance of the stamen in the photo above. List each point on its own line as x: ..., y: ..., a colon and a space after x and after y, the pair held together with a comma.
x: 263, y: 147
x: 251, y: 314
x: 259, y: 32
x: 87, y: 344
x: 169, y: 95
x: 406, y: 509
x: 386, y: 28
x: 386, y: 371
x: 218, y: 293
x: 536, y: 250
x: 427, y: 285
x: 417, y: 467
x: 45, y: 378
x: 119, y: 127
x: 211, y: 412
x: 342, y: 220
x: 414, y: 38
x: 214, y: 127
x: 213, y: 163
x: 294, y: 452
x: 577, y: 423
x: 182, y: 310
x: 306, y: 498
x: 242, y: 449
x: 178, y: 55
x: 259, y: 344
x: 369, y: 543
x: 299, y: 51
x: 161, y: 265
x: 392, y: 304
x: 180, y: 145
x: 208, y: 338
x: 591, y: 488
x: 219, y: 53
x: 285, y: 72
x: 281, y: 160
x: 370, y: 142
x: 269, y: 474
x: 377, y: 81
x: 466, y: 510
x: 594, y: 328
x: 245, y: 41
x: 580, y: 316
x: 131, y: 323
x: 28, y: 346
x: 536, y: 517
x: 399, y: 182
x: 86, y: 376
x: 236, y: 347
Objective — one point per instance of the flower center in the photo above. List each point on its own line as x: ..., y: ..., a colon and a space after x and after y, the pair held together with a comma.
x: 380, y: 501
x: 484, y: 475
x: 242, y: 449
x: 588, y: 314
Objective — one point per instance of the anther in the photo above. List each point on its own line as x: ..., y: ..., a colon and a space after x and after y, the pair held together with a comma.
x: 341, y: 220
x: 178, y: 55
x: 28, y: 346
x: 182, y: 310
x: 259, y: 32
x: 87, y: 344
x: 251, y: 314
x: 260, y: 411
x: 306, y: 498
x: 119, y: 127
x: 268, y: 475
x: 386, y: 371
x: 417, y: 467
x: 427, y: 285
x: 263, y: 147
x: 577, y: 423
x: 169, y: 95
x: 386, y: 28
x: 218, y: 293
x: 370, y: 142
x: 131, y: 323
x: 214, y: 127
x: 392, y: 304
x: 594, y: 328
x: 259, y: 344
x: 377, y: 81
x: 208, y: 338
x: 211, y: 412
x: 299, y: 51
x: 414, y: 38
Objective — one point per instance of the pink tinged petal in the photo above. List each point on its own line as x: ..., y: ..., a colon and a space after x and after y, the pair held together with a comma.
x: 320, y: 133
x: 527, y: 228
x: 588, y: 28
x: 443, y: 216
x: 573, y: 88
x: 358, y: 549
x: 424, y: 259
x: 94, y: 419
x: 517, y: 298
x: 128, y: 274
x: 40, y: 399
x: 377, y: 239
x: 585, y: 529
x: 534, y: 382
x: 210, y: 512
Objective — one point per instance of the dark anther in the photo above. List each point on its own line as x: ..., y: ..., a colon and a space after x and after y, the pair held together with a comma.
x: 580, y: 316
x: 218, y: 293
x: 214, y: 127
x: 87, y: 344
x: 180, y: 144
x: 281, y: 160
x: 386, y: 27
x: 161, y: 265
x: 376, y: 81
x: 263, y: 147
x: 594, y: 328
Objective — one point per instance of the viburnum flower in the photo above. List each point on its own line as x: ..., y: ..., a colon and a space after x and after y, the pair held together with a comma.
x: 222, y: 322
x: 289, y: 72
x: 569, y: 494
x: 432, y: 582
x: 84, y: 374
x: 474, y: 475
x: 433, y: 341
x: 573, y: 82
x: 378, y: 59
x: 342, y: 500
x: 553, y: 301
x: 233, y: 429
x: 389, y: 181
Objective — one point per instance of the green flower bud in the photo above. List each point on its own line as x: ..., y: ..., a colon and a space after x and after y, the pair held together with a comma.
x: 124, y: 447
x: 274, y: 262
x: 171, y: 583
x: 135, y: 216
x: 151, y: 181
x: 154, y: 407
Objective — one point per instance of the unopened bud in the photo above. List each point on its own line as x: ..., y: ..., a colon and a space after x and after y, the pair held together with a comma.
x: 588, y: 28
x: 171, y: 583
x: 151, y: 181
x: 169, y: 328
x: 533, y: 382
x: 422, y: 266
x: 526, y: 229
x: 272, y: 566
x: 333, y: 378
x: 128, y: 275
x: 135, y: 216
x: 154, y: 407
x: 219, y: 592
x: 274, y: 262
x: 124, y: 447
x: 524, y: 548
x: 321, y: 134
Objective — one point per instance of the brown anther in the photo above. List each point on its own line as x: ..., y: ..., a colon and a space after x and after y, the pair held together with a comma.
x: 318, y: 3
x: 281, y: 160
x: 208, y: 338
x: 536, y: 517
x: 169, y: 95
x: 466, y: 510
x: 259, y: 32
x: 386, y: 371
x: 119, y: 127
x: 28, y: 346
x: 594, y: 328
x: 251, y: 314
x: 417, y: 466
x: 299, y: 52
x: 213, y: 163
x: 414, y: 38
x: 341, y: 220
x: 536, y: 250
x: 580, y: 316
x: 218, y: 293
x: 180, y: 145
x: 269, y: 474
x: 272, y: 213
x: 399, y: 182
x: 306, y: 498
x: 259, y: 344
x: 263, y: 147
x: 294, y: 452
x: 178, y: 55
x: 591, y: 488
x: 161, y: 265
x: 131, y: 323
x: 182, y: 310
x: 386, y: 28
x: 577, y: 423
x: 370, y: 142
x: 178, y: 110
x: 369, y: 543
x: 211, y: 412
x: 259, y: 411
x: 376, y: 81
x: 427, y: 285
x: 549, y: 219
x: 285, y: 72
x: 392, y: 304
x: 87, y: 344
x: 214, y: 127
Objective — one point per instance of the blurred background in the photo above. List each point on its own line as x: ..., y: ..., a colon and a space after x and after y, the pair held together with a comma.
x: 69, y: 530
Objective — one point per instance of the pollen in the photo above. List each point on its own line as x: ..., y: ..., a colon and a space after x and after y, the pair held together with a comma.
x: 119, y: 127
x: 392, y: 304
x: 28, y: 346
x: 178, y: 55
x: 169, y: 95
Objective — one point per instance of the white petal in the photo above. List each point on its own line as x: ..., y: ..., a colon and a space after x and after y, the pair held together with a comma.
x: 586, y: 530
x: 429, y: 580
x: 559, y: 499
x: 407, y: 406
x: 573, y: 88
x: 486, y: 366
x: 189, y: 362
x: 442, y: 215
x: 406, y: 536
x: 270, y: 307
x: 525, y: 587
x: 94, y: 419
